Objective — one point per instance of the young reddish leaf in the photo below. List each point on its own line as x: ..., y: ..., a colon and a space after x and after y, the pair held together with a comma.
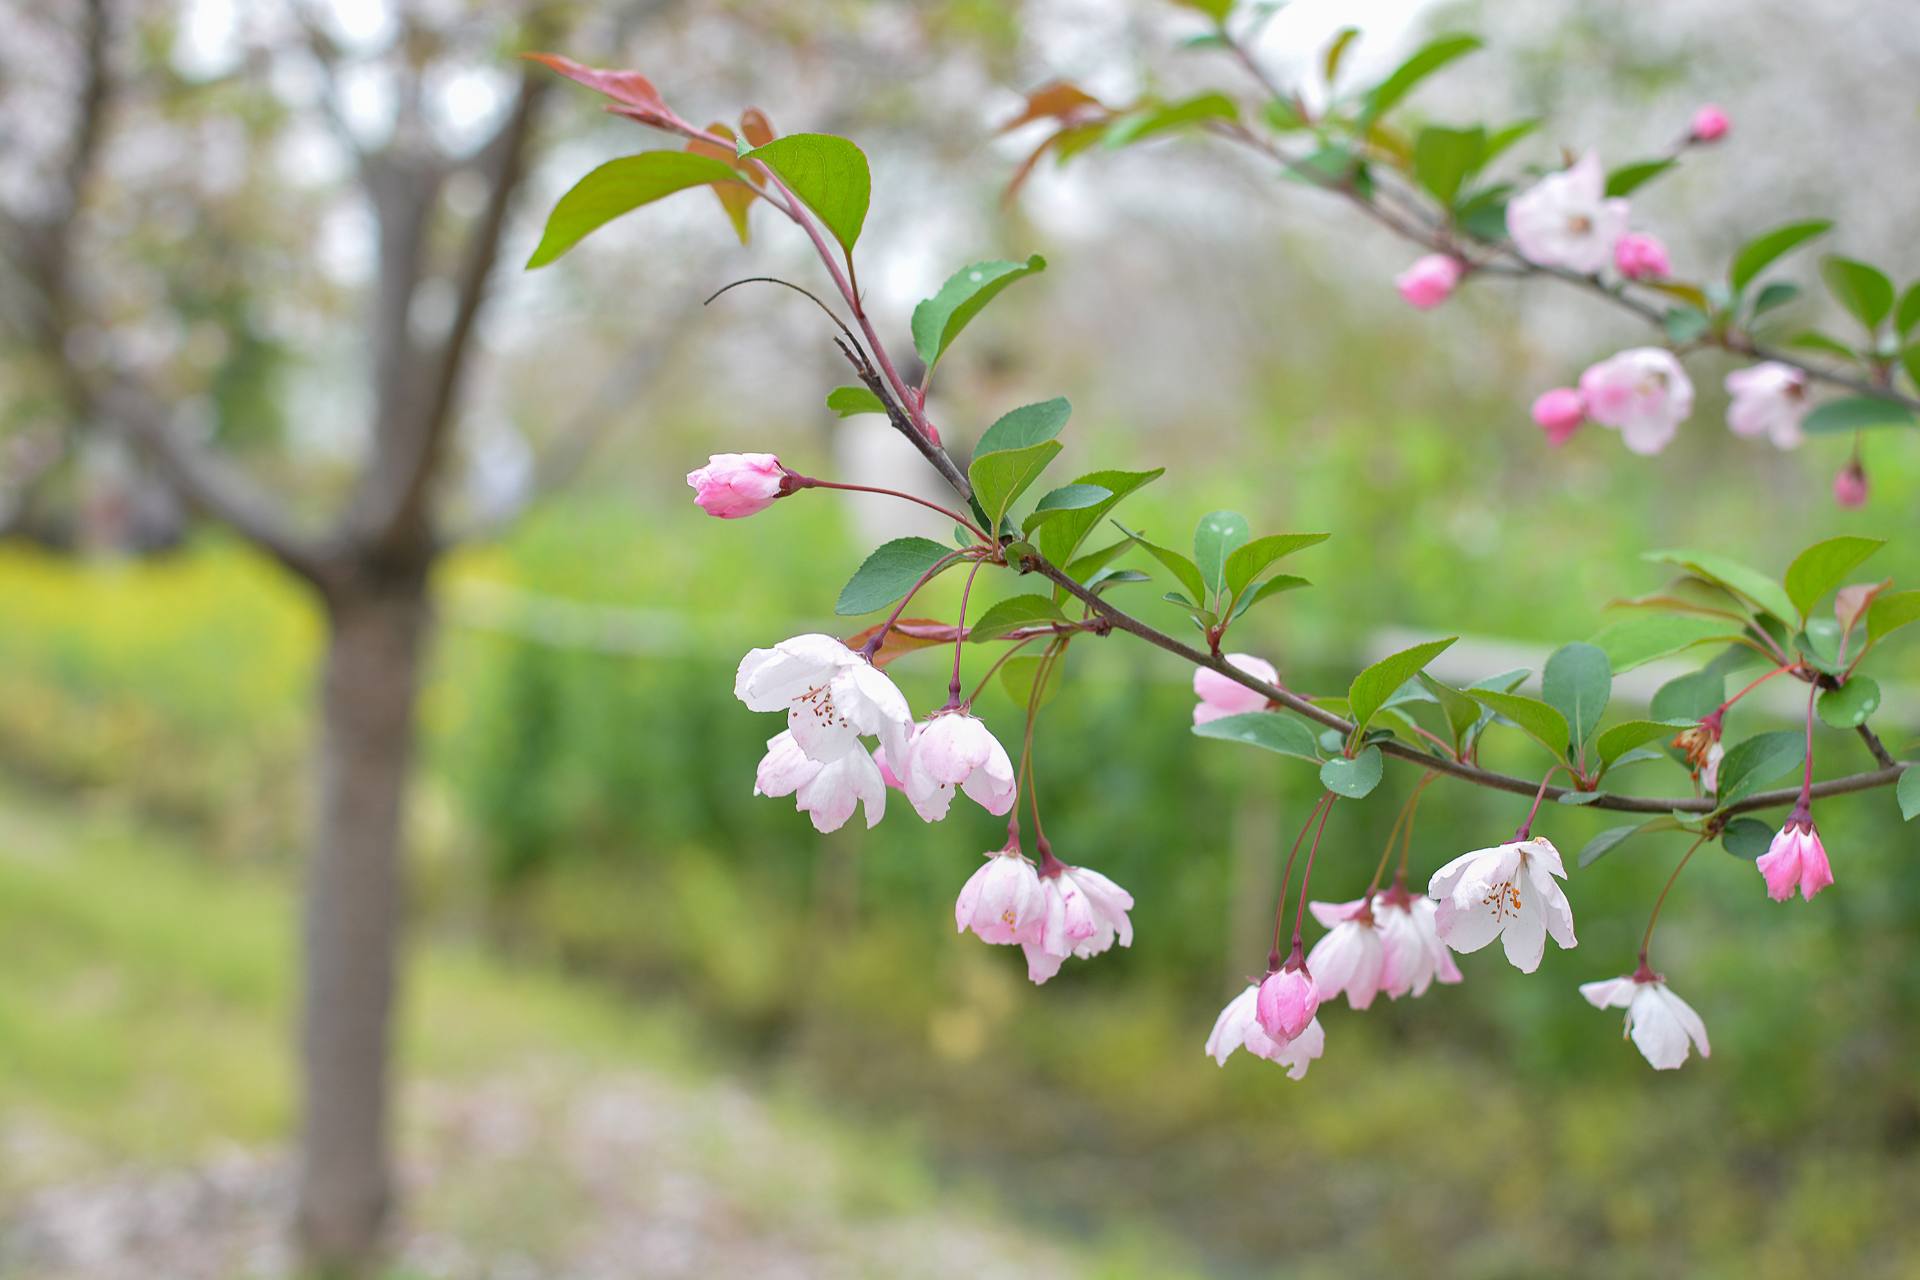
x: 905, y: 636
x: 756, y: 128
x: 1850, y: 605
x: 1067, y: 103
x: 627, y: 87
x: 735, y: 200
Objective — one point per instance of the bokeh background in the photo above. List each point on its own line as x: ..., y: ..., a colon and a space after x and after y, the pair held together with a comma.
x: 653, y: 1026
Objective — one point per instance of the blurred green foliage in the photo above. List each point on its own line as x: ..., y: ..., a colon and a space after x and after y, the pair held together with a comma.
x: 585, y: 798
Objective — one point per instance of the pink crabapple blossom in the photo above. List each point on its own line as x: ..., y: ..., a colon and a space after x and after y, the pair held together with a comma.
x: 1415, y: 956
x: 1710, y: 769
x: 1430, y: 280
x: 1659, y: 1022
x: 1084, y: 914
x: 1559, y: 412
x: 733, y: 485
x: 1567, y: 220
x: 1639, y: 256
x: 1796, y: 860
x: 825, y: 792
x: 1506, y: 892
x: 1352, y: 955
x: 1768, y: 400
x: 1002, y: 902
x: 1288, y: 1000
x: 1850, y: 485
x: 1642, y: 393
x: 955, y: 751
x: 1220, y: 696
x: 1238, y: 1026
x: 1710, y: 124
x: 832, y: 696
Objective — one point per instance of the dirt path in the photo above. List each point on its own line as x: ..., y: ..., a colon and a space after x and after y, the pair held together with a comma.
x: 547, y: 1172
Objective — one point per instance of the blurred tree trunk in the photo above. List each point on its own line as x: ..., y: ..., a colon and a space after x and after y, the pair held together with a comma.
x: 354, y: 906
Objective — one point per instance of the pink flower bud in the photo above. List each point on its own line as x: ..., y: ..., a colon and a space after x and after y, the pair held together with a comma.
x: 1795, y: 860
x: 1638, y: 256
x: 1710, y: 124
x: 1850, y: 486
x: 1287, y: 1002
x: 1220, y: 696
x: 1428, y: 282
x: 1559, y: 413
x: 732, y: 485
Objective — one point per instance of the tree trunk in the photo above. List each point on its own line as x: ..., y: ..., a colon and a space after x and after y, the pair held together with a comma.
x: 353, y: 917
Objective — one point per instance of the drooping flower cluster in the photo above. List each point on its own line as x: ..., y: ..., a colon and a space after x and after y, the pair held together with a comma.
x: 834, y: 697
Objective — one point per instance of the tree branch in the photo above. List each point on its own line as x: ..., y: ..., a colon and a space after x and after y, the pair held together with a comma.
x: 404, y: 464
x: 1455, y: 768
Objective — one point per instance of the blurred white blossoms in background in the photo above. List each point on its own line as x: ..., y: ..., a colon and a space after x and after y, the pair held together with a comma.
x: 1505, y: 892
x: 1659, y: 1022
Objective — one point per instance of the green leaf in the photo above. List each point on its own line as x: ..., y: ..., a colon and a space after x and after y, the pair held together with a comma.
x: 1218, y: 535
x: 888, y: 574
x: 1337, y: 51
x: 1862, y: 289
x: 1632, y: 642
x: 939, y: 320
x: 1278, y: 583
x: 1002, y: 476
x: 1734, y: 576
x: 828, y: 173
x: 1154, y: 120
x: 1539, y: 721
x: 1812, y: 340
x: 1776, y: 294
x: 1115, y: 577
x: 1012, y: 614
x: 1746, y: 838
x: 1500, y: 139
x: 1761, y: 759
x: 1760, y: 252
x: 847, y: 401
x: 1684, y: 324
x: 1462, y: 712
x: 1246, y: 563
x: 1068, y: 497
x: 1907, y: 313
x: 1849, y: 706
x: 1629, y: 178
x: 1577, y: 682
x: 1691, y: 697
x: 1621, y: 738
x: 1856, y: 413
x: 1266, y: 729
x: 621, y: 186
x: 1613, y: 837
x: 1184, y: 570
x: 1025, y: 427
x: 1215, y: 9
x: 1018, y: 673
x: 1888, y: 613
x: 1356, y: 778
x: 1060, y: 537
x: 1373, y: 686
x: 1907, y: 792
x: 1824, y: 566
x: 1577, y: 798
x: 1094, y: 561
x: 1443, y: 158
x: 1424, y: 62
